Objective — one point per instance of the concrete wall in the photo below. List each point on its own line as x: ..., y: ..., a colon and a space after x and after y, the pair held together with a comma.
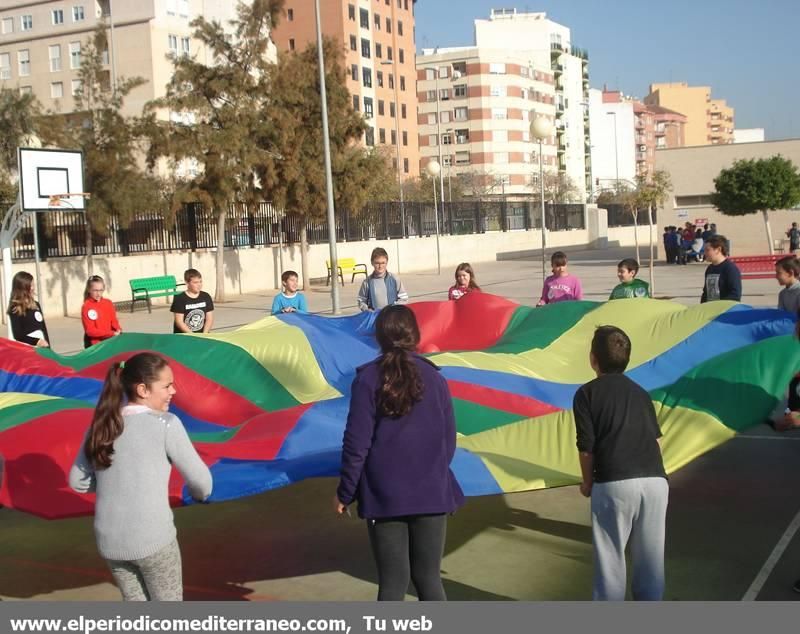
x: 258, y: 270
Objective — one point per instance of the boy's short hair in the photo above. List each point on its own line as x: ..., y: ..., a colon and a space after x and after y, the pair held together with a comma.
x: 718, y: 242
x: 629, y: 264
x: 611, y: 348
x: 191, y: 274
x: 378, y: 252
x: 559, y: 258
x: 790, y: 264
x: 287, y: 274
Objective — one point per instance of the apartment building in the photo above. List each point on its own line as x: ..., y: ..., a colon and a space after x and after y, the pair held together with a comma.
x: 377, y: 37
x: 41, y: 42
x: 708, y: 121
x: 522, y: 65
x: 474, y: 113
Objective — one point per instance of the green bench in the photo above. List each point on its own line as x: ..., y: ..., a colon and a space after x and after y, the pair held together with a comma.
x: 146, y: 288
x: 346, y: 266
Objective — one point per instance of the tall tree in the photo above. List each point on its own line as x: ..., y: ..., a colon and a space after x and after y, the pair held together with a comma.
x: 19, y: 114
x: 293, y: 174
x: 558, y: 187
x: 108, y: 139
x: 754, y: 185
x: 217, y: 115
x: 652, y: 193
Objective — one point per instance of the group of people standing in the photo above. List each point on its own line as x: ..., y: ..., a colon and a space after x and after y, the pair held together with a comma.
x: 684, y: 245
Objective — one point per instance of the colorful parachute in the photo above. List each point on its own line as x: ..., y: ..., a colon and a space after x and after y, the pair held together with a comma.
x: 266, y: 404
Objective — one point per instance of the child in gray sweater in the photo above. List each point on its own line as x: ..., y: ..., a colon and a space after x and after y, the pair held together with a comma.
x: 127, y: 458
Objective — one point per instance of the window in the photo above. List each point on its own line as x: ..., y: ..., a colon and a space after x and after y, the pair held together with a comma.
x: 377, y: 22
x: 430, y: 95
x: 380, y: 107
x: 183, y: 8
x: 394, y: 139
x: 388, y: 25
x: 382, y: 135
x: 402, y: 57
x: 391, y: 81
x: 447, y: 139
x: 524, y: 93
x: 354, y: 72
x: 104, y: 57
x: 76, y: 87
x: 523, y: 71
x: 364, y: 18
x: 432, y: 139
x: 462, y: 136
x: 355, y: 103
x: 402, y: 82
x: 290, y: 15
x: 379, y: 78
x: 403, y: 110
x: 5, y: 65
x: 26, y: 90
x: 693, y: 201
x: 460, y: 114
x: 378, y: 50
x: 78, y: 14
x: 405, y: 4
x: 497, y: 69
x: 368, y: 110
x: 392, y: 109
x: 447, y: 160
x: 7, y: 26
x: 172, y: 44
x: 353, y: 43
x: 405, y: 137
x: 57, y: 90
x: 351, y: 12
x: 498, y: 91
x: 405, y: 165
x: 499, y: 113
x: 55, y: 58
x: 444, y: 94
x: 74, y: 55
x: 57, y: 16
x: 186, y: 46
x: 460, y: 90
x: 370, y: 136
x: 500, y: 136
x: 501, y: 157
x: 365, y: 48
x: 172, y: 7
x: 24, y: 60
x: 389, y: 55
x: 399, y: 27
x: 291, y: 43
x: 367, y: 75
x: 462, y: 158
x: 26, y: 23
x: 445, y: 116
x: 431, y: 118
x: 430, y: 74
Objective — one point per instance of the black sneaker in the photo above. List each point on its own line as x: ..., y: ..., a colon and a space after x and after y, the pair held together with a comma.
x: 796, y: 586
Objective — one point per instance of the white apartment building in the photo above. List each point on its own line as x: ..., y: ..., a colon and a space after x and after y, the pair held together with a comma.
x: 548, y: 45
x: 474, y: 111
x: 40, y: 43
x: 613, y: 142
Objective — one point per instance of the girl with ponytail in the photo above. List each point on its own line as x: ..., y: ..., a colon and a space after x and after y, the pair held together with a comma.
x: 130, y: 448
x: 398, y: 444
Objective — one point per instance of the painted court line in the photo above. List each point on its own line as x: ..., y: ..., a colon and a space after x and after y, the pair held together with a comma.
x: 766, y: 437
x: 772, y: 560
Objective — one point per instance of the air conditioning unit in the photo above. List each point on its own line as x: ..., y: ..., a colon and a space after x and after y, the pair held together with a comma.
x: 642, y: 148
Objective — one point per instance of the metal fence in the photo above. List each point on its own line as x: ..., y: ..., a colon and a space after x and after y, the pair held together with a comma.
x: 63, y: 233
x: 618, y: 216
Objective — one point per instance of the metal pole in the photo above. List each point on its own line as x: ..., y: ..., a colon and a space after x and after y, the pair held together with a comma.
x: 544, y: 228
x: 36, y: 259
x: 439, y: 142
x: 328, y: 176
x: 113, y: 50
x: 616, y: 151
x: 436, y: 218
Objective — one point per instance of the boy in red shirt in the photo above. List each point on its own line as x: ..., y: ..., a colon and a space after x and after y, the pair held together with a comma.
x: 98, y: 314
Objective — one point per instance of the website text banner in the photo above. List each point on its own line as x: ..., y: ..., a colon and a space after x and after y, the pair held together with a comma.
x: 394, y: 618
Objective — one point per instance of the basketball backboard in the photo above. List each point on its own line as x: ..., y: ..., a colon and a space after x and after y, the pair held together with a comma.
x: 51, y: 179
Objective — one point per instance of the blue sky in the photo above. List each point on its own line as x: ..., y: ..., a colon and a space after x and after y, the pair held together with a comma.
x: 746, y: 50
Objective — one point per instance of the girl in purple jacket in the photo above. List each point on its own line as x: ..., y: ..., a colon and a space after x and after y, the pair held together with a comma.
x: 398, y: 444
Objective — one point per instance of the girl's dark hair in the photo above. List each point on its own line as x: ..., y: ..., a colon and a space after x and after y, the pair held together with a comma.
x: 790, y: 264
x: 465, y: 266
x: 89, y: 282
x: 401, y: 384
x: 559, y: 258
x: 121, y: 381
x: 21, y: 299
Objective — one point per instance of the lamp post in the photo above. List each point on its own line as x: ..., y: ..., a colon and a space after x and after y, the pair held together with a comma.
x: 542, y: 129
x: 397, y: 148
x: 328, y: 176
x: 434, y: 169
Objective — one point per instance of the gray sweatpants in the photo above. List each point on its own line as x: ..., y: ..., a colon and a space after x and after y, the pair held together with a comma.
x: 154, y: 578
x: 633, y: 509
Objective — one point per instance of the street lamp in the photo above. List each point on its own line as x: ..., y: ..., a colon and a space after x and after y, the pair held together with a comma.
x: 542, y: 129
x: 326, y: 143
x: 434, y: 169
x: 397, y: 150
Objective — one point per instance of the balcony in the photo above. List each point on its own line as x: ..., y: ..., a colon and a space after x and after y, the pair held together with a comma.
x: 558, y: 69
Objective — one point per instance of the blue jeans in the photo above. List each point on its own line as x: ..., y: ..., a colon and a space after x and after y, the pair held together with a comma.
x: 626, y: 510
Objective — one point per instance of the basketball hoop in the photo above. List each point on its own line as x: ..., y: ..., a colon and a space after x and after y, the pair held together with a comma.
x: 56, y: 200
